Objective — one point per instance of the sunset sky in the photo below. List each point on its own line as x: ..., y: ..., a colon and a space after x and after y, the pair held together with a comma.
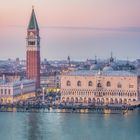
x: 79, y: 28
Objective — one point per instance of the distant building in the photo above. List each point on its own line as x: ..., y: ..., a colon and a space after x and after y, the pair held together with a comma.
x: 51, y: 81
x: 10, y: 77
x: 100, y: 87
x: 11, y: 92
x: 111, y: 60
x: 33, y: 50
x: 69, y: 61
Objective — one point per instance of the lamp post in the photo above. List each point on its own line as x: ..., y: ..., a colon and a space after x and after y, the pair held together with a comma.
x: 21, y: 87
x: 43, y: 98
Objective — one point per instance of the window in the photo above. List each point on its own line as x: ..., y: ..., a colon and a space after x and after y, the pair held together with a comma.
x: 79, y: 83
x: 1, y: 91
x: 31, y: 43
x: 119, y: 85
x: 108, y: 84
x: 68, y: 83
x: 90, y: 83
x: 99, y: 85
x: 9, y: 91
x: 5, y: 91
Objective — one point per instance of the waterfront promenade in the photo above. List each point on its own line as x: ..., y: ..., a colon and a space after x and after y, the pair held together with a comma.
x: 51, y: 104
x: 67, y: 108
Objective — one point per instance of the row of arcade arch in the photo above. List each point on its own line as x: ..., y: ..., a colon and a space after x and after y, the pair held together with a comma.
x: 96, y: 100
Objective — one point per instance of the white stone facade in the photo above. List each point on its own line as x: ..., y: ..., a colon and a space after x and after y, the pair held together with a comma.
x: 8, y: 91
x: 105, y: 87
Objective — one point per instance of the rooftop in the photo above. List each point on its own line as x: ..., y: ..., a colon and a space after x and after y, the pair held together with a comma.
x: 104, y: 73
x: 16, y: 83
x: 33, y: 21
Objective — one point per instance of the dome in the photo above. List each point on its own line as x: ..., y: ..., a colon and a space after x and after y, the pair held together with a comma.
x: 108, y: 68
x: 94, y: 67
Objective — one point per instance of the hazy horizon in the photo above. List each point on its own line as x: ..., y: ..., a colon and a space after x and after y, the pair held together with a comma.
x: 79, y: 28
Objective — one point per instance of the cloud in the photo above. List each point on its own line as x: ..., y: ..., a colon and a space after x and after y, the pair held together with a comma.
x: 119, y: 29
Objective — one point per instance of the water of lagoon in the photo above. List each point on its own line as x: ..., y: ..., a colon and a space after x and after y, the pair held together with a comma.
x: 69, y: 126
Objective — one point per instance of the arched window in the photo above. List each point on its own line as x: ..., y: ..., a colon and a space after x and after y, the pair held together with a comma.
x: 68, y: 83
x: 108, y: 84
x: 90, y: 84
x: 119, y: 85
x: 99, y: 85
x: 79, y: 83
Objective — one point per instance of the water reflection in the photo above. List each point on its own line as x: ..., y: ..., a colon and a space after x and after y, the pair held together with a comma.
x: 34, y: 123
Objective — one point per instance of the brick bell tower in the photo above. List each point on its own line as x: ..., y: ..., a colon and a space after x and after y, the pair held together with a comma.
x: 33, y: 50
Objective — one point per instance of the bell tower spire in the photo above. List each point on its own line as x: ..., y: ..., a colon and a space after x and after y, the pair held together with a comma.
x: 33, y: 50
x: 33, y: 21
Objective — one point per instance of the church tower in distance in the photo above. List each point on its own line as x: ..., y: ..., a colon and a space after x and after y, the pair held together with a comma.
x: 33, y: 50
